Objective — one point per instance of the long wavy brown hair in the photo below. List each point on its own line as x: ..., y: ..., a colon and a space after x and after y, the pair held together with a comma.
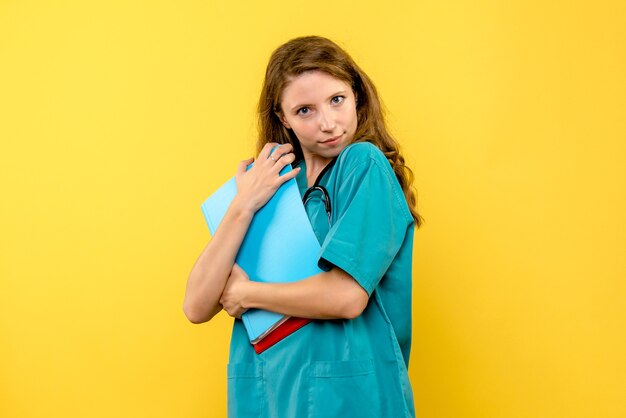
x: 315, y: 53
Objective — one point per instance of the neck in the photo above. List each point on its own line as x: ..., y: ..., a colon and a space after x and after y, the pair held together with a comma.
x: 314, y: 166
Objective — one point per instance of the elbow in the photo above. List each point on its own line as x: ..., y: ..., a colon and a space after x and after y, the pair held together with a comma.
x: 355, y: 304
x: 349, y: 296
x: 194, y: 315
x: 194, y: 319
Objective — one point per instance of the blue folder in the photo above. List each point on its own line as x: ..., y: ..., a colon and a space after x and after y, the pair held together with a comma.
x: 280, y: 245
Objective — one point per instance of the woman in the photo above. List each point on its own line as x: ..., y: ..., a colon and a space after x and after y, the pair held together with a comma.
x: 352, y: 359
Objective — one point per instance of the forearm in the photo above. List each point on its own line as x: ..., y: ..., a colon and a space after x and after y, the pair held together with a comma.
x: 255, y: 186
x: 210, y: 272
x: 328, y: 295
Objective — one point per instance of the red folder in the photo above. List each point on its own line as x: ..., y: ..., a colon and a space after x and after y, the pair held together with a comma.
x: 288, y: 327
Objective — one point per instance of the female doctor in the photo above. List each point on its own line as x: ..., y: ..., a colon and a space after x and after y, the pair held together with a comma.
x: 352, y: 359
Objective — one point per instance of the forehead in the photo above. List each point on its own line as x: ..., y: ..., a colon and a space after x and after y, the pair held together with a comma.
x: 312, y: 86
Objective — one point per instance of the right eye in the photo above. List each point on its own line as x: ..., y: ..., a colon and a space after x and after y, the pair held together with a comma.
x: 303, y: 111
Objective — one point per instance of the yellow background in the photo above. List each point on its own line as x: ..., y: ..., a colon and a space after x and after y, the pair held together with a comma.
x: 118, y: 118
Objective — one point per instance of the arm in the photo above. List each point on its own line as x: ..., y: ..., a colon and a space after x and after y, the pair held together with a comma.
x: 210, y: 272
x: 369, y: 195
x: 328, y: 295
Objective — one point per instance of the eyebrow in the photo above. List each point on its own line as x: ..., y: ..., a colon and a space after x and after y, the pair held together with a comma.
x: 342, y: 92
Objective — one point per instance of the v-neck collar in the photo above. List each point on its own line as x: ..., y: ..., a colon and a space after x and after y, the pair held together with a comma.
x: 301, y: 179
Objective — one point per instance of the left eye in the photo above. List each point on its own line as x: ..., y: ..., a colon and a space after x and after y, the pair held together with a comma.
x: 337, y: 99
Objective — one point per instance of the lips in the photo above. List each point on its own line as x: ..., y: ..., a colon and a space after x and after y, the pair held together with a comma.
x: 332, y: 140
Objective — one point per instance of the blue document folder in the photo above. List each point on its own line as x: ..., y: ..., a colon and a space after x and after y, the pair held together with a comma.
x: 280, y: 245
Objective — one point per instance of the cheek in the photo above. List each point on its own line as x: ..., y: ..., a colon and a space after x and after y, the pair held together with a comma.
x: 354, y: 119
x: 303, y: 130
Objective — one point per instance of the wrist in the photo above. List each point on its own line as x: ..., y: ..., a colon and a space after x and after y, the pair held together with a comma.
x: 248, y: 294
x: 252, y: 295
x: 242, y: 210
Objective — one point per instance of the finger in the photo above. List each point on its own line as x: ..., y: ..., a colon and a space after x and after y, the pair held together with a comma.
x: 265, y: 152
x: 236, y: 268
x: 273, y: 159
x: 284, y: 161
x: 281, y: 150
x: 243, y: 165
x: 286, y: 177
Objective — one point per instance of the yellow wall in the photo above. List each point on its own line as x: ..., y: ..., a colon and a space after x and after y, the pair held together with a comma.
x: 118, y: 118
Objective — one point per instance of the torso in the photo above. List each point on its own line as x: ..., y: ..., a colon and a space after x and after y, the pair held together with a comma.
x: 306, y: 374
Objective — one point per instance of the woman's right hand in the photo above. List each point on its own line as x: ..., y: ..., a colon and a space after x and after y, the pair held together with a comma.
x: 256, y: 186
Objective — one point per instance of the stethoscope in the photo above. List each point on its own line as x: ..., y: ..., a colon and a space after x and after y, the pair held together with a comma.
x: 325, y: 197
x: 308, y: 194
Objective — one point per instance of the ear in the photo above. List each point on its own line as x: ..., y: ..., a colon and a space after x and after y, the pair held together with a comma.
x: 282, y: 119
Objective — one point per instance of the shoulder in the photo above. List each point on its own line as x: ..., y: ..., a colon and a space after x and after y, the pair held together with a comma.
x: 364, y: 164
x: 362, y: 155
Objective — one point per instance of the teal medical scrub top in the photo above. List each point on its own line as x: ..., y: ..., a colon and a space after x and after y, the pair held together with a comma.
x: 337, y: 368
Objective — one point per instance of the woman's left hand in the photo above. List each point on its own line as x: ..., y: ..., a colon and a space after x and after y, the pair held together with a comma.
x: 232, y: 296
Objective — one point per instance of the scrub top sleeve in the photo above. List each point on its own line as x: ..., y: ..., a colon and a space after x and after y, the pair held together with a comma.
x: 371, y: 223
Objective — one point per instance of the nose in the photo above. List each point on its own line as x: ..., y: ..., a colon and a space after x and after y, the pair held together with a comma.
x: 326, y: 120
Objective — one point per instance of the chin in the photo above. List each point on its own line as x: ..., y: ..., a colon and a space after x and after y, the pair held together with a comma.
x: 332, y: 153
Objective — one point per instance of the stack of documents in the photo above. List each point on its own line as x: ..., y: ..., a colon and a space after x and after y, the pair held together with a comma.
x: 280, y: 246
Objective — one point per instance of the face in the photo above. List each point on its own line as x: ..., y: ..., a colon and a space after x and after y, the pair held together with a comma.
x: 321, y: 111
